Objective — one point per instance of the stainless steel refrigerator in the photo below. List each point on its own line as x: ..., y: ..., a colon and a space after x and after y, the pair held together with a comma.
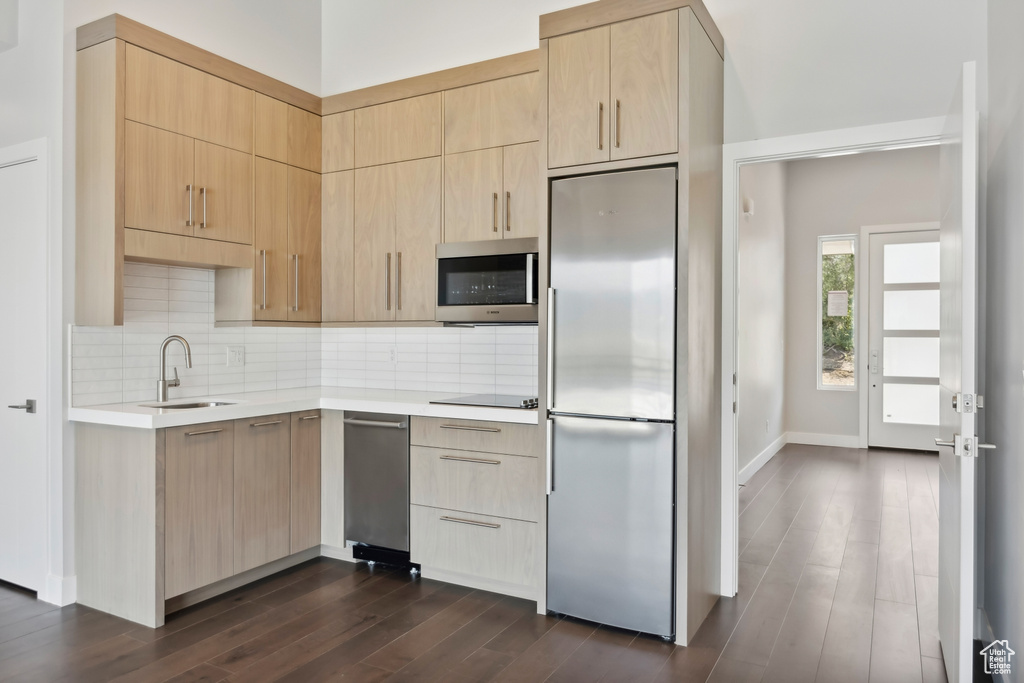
x: 612, y: 399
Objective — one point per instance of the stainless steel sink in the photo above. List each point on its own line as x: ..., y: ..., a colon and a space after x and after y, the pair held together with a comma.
x: 187, y: 406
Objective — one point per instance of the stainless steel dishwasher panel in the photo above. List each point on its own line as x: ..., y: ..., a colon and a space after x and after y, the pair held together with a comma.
x: 377, y: 479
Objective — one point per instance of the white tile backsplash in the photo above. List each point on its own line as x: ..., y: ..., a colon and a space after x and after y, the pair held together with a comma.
x: 121, y: 364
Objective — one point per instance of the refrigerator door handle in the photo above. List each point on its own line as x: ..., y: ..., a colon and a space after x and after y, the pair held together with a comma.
x: 551, y: 455
x: 551, y: 349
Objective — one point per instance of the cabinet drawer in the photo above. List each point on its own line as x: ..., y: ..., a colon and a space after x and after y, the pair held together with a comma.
x: 476, y: 435
x: 485, y: 483
x: 488, y: 547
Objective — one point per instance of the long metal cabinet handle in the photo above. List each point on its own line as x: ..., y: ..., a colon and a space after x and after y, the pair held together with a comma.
x: 482, y: 461
x: 471, y: 429
x: 374, y: 423
x: 387, y: 282
x: 529, y: 279
x: 295, y: 258
x: 189, y: 222
x: 263, y: 257
x: 205, y: 431
x: 471, y: 522
x: 618, y: 122
x: 494, y: 210
x: 551, y: 349
x: 310, y: 417
x: 202, y: 192
x: 508, y: 211
x: 265, y: 424
x: 551, y: 455
x: 398, y: 280
x: 600, y: 125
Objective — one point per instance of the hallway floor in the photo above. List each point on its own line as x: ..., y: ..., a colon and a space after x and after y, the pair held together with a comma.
x: 838, y: 582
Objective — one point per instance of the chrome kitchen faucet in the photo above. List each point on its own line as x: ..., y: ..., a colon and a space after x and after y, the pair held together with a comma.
x: 163, y: 384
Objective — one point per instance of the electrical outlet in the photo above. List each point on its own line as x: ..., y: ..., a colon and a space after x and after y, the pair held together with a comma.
x: 236, y: 356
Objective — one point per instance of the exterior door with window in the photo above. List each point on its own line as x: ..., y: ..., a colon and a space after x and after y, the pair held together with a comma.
x: 903, y: 355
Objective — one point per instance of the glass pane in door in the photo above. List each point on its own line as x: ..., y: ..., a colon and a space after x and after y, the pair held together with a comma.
x: 910, y: 403
x: 916, y: 309
x: 911, y: 262
x: 910, y: 357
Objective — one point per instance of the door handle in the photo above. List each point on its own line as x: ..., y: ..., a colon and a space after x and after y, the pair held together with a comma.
x: 471, y: 522
x: 551, y: 349
x: 600, y: 125
x: 947, y: 444
x: 398, y: 280
x: 265, y: 424
x: 464, y: 428
x: 205, y: 431
x: 29, y: 406
x: 481, y: 461
x: 263, y: 256
x: 295, y: 258
x: 618, y: 116
x: 374, y: 423
x: 508, y: 211
x: 387, y: 282
x: 494, y: 210
x: 551, y: 455
x: 202, y: 193
x: 189, y: 222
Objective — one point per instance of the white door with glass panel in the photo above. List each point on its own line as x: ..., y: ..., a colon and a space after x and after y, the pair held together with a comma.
x: 903, y: 355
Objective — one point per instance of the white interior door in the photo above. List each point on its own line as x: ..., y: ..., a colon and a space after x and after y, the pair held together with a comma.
x: 957, y: 377
x: 903, y: 356
x: 23, y: 440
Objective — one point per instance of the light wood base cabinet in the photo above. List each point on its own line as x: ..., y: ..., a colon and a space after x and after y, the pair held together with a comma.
x: 262, y: 490
x: 305, y: 480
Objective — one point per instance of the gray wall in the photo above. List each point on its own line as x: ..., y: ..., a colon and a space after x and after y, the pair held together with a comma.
x: 761, y: 344
x: 836, y: 196
x: 1004, y: 331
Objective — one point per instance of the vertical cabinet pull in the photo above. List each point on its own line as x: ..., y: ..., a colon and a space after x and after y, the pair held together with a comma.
x: 508, y: 211
x: 618, y: 124
x: 398, y: 280
x: 387, y: 282
x: 202, y: 192
x: 189, y: 222
x: 494, y: 210
x: 600, y: 125
x: 295, y: 259
x: 263, y: 258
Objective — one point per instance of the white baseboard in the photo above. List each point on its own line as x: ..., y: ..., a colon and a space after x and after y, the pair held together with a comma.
x: 59, y: 590
x: 834, y: 440
x: 763, y: 457
x: 336, y: 553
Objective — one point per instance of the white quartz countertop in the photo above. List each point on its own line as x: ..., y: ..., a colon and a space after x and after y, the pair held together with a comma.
x: 254, y: 404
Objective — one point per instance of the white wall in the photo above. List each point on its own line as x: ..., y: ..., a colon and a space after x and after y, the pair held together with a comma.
x: 799, y: 66
x: 836, y: 196
x: 368, y: 43
x: 1003, y: 599
x: 761, y: 350
x: 280, y: 38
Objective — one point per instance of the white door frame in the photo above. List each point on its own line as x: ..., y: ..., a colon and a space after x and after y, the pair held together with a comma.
x: 888, y: 136
x: 58, y: 589
x: 863, y: 312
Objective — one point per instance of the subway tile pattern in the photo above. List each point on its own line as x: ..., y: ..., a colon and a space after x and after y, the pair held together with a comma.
x: 121, y: 364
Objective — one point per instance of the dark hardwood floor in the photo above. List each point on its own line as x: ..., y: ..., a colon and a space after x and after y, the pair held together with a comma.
x: 838, y: 565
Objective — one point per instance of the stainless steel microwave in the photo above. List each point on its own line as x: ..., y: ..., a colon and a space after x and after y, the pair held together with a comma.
x: 487, y: 282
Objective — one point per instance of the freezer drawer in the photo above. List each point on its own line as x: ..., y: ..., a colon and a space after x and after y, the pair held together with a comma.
x: 613, y: 276
x: 610, y: 521
x: 377, y: 480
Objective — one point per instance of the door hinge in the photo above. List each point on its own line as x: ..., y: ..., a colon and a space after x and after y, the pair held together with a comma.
x: 734, y: 407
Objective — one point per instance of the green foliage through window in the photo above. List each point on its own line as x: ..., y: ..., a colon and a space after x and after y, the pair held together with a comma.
x: 837, y: 271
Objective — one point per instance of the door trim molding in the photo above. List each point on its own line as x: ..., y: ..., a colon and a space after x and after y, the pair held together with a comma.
x: 875, y: 138
x: 864, y: 310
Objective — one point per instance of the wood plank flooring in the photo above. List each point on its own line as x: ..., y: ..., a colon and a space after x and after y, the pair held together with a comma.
x: 838, y: 564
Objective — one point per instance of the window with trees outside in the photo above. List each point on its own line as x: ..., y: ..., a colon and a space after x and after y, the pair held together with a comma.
x: 837, y: 277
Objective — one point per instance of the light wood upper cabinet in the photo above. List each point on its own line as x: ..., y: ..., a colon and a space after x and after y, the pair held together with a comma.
x: 338, y: 303
x: 495, y: 113
x: 157, y: 91
x: 645, y: 86
x: 304, y: 139
x: 271, y: 128
x: 158, y: 177
x: 473, y: 195
x: 613, y: 91
x: 578, y: 98
x: 339, y: 142
x: 304, y: 207
x: 262, y: 493
x: 305, y: 480
x: 374, y: 234
x: 270, y: 242
x: 418, y: 230
x: 398, y: 131
x: 223, y: 205
x: 198, y: 506
x: 523, y: 186
x: 164, y: 93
